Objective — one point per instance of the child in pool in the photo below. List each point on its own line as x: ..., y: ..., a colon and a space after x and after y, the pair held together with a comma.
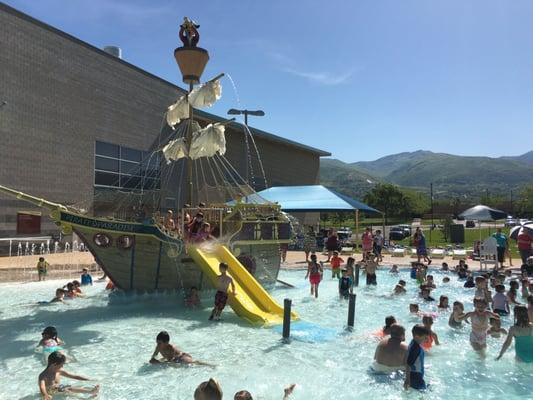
x: 49, y: 380
x: 445, y: 280
x: 425, y: 293
x: 500, y: 303
x: 345, y: 285
x: 71, y: 292
x: 86, y: 278
x: 224, y: 281
x: 496, y: 329
x: 414, y: 371
x: 458, y: 311
x: 482, y: 291
x: 512, y: 294
x: 443, y: 303
x: 444, y: 267
x: 171, y: 353
x: 421, y: 272
x: 400, y: 288
x: 335, y: 263
x: 193, y: 300
x: 77, y: 287
x: 389, y: 321
x: 479, y: 319
x: 59, y: 297
x: 430, y: 283
x: 394, y: 269
x: 50, y: 342
x: 414, y: 309
x: 427, y: 321
x: 314, y: 273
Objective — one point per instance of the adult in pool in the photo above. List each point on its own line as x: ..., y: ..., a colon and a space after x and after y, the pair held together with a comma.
x: 391, y: 351
x: 171, y: 354
x: 522, y: 332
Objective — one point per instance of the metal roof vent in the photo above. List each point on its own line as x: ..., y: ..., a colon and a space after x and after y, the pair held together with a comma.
x: 114, y: 51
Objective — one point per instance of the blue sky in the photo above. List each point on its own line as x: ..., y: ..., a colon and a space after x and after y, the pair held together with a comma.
x: 361, y: 79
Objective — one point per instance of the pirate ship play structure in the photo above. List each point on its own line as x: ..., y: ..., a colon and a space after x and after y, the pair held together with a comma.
x: 144, y: 255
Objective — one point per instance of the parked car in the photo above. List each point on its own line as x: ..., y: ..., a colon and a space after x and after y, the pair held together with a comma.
x: 406, y: 229
x: 510, y: 221
x: 522, y: 221
x: 397, y: 233
x: 470, y: 224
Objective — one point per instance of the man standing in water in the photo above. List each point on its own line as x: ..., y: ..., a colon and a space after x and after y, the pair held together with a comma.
x: 221, y: 297
x: 391, y: 351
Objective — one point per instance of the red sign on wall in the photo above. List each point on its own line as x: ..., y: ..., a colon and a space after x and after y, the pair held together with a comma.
x: 28, y: 223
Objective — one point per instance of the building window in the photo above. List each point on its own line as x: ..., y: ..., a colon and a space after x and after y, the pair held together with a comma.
x: 126, y: 168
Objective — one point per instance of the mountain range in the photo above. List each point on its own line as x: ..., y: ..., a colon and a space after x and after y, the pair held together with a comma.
x: 451, y: 175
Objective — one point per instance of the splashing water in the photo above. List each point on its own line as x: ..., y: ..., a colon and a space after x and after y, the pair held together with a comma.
x: 234, y: 89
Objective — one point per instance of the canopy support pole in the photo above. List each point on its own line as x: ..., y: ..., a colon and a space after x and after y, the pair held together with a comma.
x: 356, y: 230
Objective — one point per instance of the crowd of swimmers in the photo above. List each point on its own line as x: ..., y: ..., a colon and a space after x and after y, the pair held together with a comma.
x: 492, y: 300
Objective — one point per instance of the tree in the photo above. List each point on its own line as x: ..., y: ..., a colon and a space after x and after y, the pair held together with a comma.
x: 525, y: 202
x: 389, y: 199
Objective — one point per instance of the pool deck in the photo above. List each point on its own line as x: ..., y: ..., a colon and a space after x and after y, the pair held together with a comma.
x: 67, y: 265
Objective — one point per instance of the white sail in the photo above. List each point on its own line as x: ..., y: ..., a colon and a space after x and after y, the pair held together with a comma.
x: 208, y: 141
x: 178, y: 111
x: 206, y: 95
x: 175, y: 149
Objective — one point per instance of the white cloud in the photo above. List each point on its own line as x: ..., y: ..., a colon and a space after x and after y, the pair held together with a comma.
x: 323, y: 78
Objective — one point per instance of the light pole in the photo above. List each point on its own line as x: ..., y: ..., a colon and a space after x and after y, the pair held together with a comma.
x: 257, y: 113
x: 432, y: 216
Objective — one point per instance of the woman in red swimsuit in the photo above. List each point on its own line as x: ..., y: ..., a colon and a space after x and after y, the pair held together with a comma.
x: 314, y: 273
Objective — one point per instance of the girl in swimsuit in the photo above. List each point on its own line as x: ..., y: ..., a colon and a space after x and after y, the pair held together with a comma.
x: 480, y: 324
x: 314, y: 273
x: 427, y: 344
x: 50, y: 342
x: 522, y: 332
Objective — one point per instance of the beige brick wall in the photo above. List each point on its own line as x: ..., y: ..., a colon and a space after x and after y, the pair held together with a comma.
x: 63, y: 95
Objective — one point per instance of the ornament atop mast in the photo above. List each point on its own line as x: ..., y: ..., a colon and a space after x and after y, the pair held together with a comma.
x: 190, y: 58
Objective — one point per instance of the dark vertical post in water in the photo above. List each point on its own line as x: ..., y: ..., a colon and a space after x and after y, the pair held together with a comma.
x: 287, y: 318
x: 356, y: 277
x: 351, y: 311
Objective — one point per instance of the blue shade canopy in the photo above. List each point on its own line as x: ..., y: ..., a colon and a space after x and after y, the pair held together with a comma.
x: 312, y: 198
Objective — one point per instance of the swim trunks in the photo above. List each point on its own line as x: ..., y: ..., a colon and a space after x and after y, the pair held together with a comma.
x: 384, y: 369
x: 220, y: 299
x: 179, y: 359
x: 314, y: 279
x: 371, y: 279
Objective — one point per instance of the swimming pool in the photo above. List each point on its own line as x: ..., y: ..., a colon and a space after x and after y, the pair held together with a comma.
x: 113, y: 343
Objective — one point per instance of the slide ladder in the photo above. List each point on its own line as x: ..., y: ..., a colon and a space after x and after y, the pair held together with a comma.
x: 252, y: 302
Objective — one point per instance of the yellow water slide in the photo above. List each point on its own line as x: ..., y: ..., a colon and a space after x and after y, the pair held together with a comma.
x: 252, y: 302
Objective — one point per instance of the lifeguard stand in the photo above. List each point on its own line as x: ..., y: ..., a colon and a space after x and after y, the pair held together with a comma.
x: 488, y: 253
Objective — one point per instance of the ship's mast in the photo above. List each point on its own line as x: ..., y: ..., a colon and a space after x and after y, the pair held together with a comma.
x: 191, y: 61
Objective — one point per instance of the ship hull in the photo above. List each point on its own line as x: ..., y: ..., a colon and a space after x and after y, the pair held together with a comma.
x: 140, y: 257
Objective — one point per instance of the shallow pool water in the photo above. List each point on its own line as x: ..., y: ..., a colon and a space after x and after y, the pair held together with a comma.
x: 113, y: 342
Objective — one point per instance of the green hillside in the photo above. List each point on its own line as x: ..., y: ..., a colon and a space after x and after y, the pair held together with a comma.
x: 451, y: 175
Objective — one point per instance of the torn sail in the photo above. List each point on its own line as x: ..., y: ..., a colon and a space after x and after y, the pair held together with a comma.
x: 208, y: 141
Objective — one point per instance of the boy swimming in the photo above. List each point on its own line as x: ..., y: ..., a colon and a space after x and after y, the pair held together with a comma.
x: 496, y: 329
x: 500, y: 304
x: 49, y: 380
x: 171, y: 353
x: 221, y: 297
x: 370, y: 270
x: 400, y: 288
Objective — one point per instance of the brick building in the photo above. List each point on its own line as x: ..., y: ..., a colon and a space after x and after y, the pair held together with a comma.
x: 71, y: 107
